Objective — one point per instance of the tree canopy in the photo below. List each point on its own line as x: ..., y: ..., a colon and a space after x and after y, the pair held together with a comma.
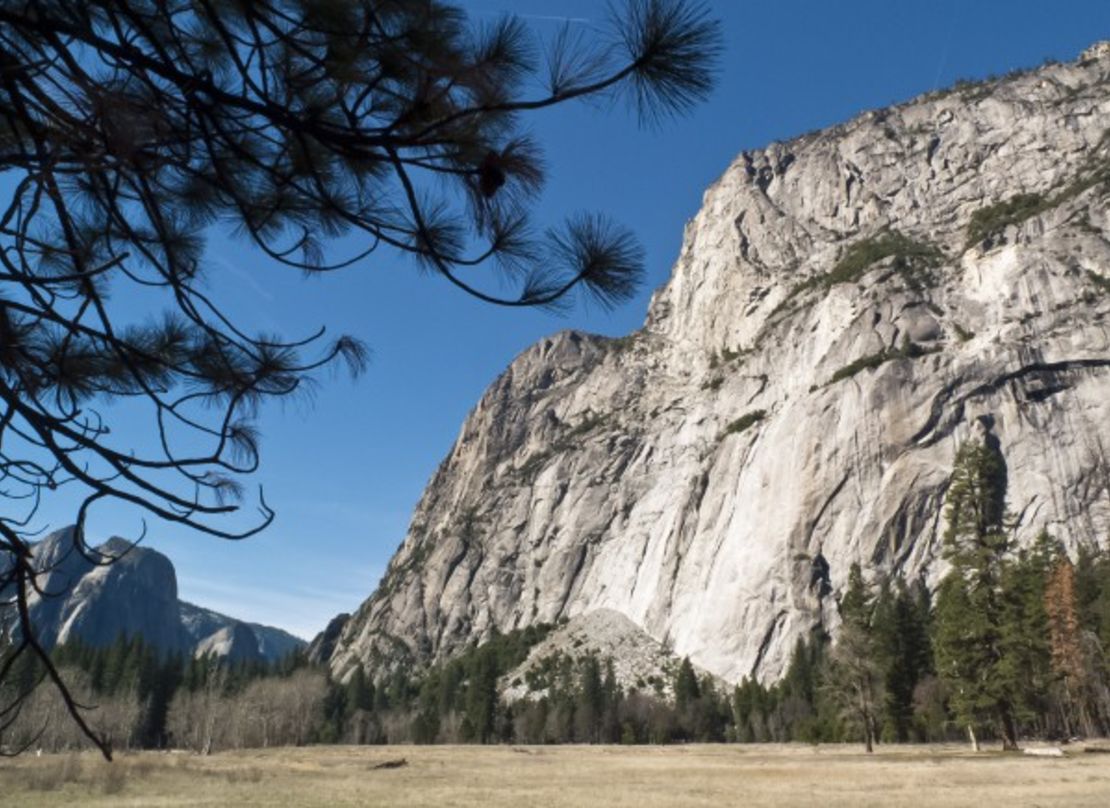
x: 129, y: 128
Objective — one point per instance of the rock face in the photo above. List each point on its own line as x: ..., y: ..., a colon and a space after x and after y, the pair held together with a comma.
x: 323, y: 644
x: 117, y: 590
x: 639, y: 661
x: 846, y: 309
x: 269, y: 643
x: 90, y: 599
x: 234, y: 642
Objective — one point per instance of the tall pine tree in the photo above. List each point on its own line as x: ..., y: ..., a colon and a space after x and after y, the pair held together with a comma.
x: 968, y: 635
x: 1023, y: 671
x: 901, y: 633
x: 856, y: 680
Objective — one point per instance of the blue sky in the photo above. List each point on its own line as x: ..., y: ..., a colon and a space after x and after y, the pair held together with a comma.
x: 345, y: 470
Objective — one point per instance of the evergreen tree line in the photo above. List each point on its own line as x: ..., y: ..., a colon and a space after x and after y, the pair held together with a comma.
x: 566, y: 699
x: 876, y: 683
x: 1013, y: 646
x: 143, y: 699
x: 882, y: 681
x: 1021, y: 634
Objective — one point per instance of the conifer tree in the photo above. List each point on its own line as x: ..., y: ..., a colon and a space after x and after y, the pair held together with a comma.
x: 612, y: 697
x: 686, y: 689
x: 481, y: 696
x: 1092, y: 587
x: 968, y: 636
x: 591, y: 700
x: 749, y: 711
x: 856, y: 681
x: 360, y: 691
x: 902, y: 648
x: 1023, y: 670
x: 1068, y: 652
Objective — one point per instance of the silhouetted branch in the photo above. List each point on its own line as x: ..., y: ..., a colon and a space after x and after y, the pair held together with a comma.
x: 129, y: 128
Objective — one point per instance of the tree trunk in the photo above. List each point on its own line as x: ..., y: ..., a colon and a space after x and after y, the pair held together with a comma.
x: 1069, y: 709
x: 1009, y: 732
x: 1079, y: 703
x: 974, y: 740
x: 865, y: 717
x: 1086, y: 721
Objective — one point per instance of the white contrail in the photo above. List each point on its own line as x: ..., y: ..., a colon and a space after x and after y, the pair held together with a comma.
x: 541, y: 17
x: 553, y: 18
x: 245, y: 277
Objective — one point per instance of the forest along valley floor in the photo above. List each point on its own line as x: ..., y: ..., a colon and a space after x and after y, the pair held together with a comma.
x: 504, y: 776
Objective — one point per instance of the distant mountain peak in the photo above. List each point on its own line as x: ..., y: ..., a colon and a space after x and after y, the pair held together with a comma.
x: 90, y: 599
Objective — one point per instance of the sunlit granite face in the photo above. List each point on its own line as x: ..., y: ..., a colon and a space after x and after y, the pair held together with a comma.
x: 839, y: 320
x: 99, y: 594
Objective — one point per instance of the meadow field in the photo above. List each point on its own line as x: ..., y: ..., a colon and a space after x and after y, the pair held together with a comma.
x: 570, y: 776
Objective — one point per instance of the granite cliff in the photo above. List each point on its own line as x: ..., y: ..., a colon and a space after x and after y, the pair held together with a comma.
x: 124, y: 589
x: 846, y: 309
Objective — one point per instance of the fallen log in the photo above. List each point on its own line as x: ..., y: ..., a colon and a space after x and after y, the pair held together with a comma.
x: 1045, y: 751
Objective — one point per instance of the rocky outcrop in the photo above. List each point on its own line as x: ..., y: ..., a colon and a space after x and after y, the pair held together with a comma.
x: 322, y: 646
x: 116, y: 589
x: 845, y: 308
x: 123, y: 589
x: 234, y: 642
x: 638, y: 661
x: 269, y: 643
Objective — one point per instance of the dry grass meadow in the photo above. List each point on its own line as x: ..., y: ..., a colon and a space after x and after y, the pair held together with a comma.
x: 500, y: 777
